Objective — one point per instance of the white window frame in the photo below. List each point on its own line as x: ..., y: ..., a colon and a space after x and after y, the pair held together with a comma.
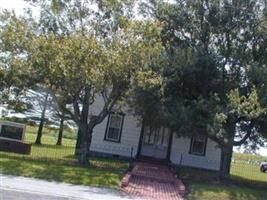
x: 107, y: 138
x: 203, y: 153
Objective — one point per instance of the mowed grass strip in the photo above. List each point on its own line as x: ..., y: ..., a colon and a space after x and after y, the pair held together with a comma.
x: 248, y: 183
x: 57, y: 163
x: 92, y: 176
x: 248, y: 173
x: 212, y: 191
x: 248, y: 157
x: 69, y: 133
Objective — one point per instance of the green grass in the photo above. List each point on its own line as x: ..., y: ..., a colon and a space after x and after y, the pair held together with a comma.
x: 246, y: 169
x: 57, y: 163
x: 68, y: 132
x: 248, y: 173
x: 241, y: 171
x: 93, y: 176
x: 49, y: 150
x: 205, y: 185
x: 248, y: 183
x: 205, y: 191
x: 248, y: 157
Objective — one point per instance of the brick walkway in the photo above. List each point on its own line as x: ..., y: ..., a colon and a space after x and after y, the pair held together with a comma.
x: 152, y: 181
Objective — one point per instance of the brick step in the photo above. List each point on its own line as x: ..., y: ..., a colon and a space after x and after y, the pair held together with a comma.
x: 150, y: 160
x: 154, y: 178
x: 156, y: 182
x: 148, y: 189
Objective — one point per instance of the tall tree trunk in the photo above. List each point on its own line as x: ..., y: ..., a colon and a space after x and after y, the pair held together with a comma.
x: 83, y: 149
x: 226, y: 158
x: 41, y: 125
x: 227, y: 152
x: 60, y: 133
x: 78, y: 142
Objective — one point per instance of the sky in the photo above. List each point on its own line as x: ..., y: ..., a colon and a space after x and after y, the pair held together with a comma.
x: 19, y: 5
x: 16, y: 5
x: 263, y: 151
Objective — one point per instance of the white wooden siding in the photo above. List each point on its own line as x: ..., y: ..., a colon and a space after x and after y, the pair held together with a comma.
x: 130, y: 139
x: 130, y: 134
x: 180, y: 154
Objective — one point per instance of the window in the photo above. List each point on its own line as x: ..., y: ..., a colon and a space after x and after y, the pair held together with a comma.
x: 198, y: 145
x: 114, y: 127
x: 158, y: 136
x: 149, y: 136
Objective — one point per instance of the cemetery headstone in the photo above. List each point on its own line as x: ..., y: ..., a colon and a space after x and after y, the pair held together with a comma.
x: 12, y: 137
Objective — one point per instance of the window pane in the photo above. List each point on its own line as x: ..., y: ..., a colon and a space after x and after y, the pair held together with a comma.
x: 115, y: 121
x: 113, y: 133
x: 198, y: 145
x: 149, y: 135
x: 199, y: 138
x: 114, y: 127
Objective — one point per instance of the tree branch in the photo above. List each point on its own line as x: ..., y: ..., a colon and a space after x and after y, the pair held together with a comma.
x: 72, y: 115
x: 216, y: 139
x: 247, y: 135
x: 111, y: 100
x: 65, y: 110
x: 76, y: 107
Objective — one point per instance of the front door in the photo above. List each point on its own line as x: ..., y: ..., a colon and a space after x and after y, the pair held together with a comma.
x: 155, y: 142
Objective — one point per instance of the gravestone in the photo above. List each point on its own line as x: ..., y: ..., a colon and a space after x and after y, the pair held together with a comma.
x: 12, y: 138
x: 12, y: 130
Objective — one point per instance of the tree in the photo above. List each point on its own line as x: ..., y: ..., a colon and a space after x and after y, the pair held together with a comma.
x: 211, y: 46
x: 62, y: 118
x: 60, y: 132
x: 44, y: 106
x: 15, y: 74
x: 79, y: 61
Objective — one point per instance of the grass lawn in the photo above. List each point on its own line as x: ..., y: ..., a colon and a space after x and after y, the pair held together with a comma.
x: 68, y: 132
x: 208, y: 191
x: 248, y: 183
x: 247, y: 157
x: 57, y: 163
x: 248, y: 173
x: 246, y: 169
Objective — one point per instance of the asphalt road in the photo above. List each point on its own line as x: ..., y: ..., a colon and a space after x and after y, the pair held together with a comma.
x: 22, y: 188
x: 18, y: 195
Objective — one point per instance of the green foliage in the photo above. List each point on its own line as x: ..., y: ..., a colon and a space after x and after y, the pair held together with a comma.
x: 248, y: 107
x: 215, y: 51
x: 14, y: 71
x: 78, y: 53
x: 212, y: 83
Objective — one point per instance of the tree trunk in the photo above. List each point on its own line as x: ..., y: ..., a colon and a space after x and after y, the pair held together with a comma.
x: 227, y: 152
x: 41, y: 125
x: 78, y: 142
x: 82, y: 147
x: 82, y: 157
x: 82, y: 152
x: 60, y: 133
x: 226, y: 158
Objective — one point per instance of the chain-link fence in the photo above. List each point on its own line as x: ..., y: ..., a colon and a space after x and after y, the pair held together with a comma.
x: 246, y: 168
